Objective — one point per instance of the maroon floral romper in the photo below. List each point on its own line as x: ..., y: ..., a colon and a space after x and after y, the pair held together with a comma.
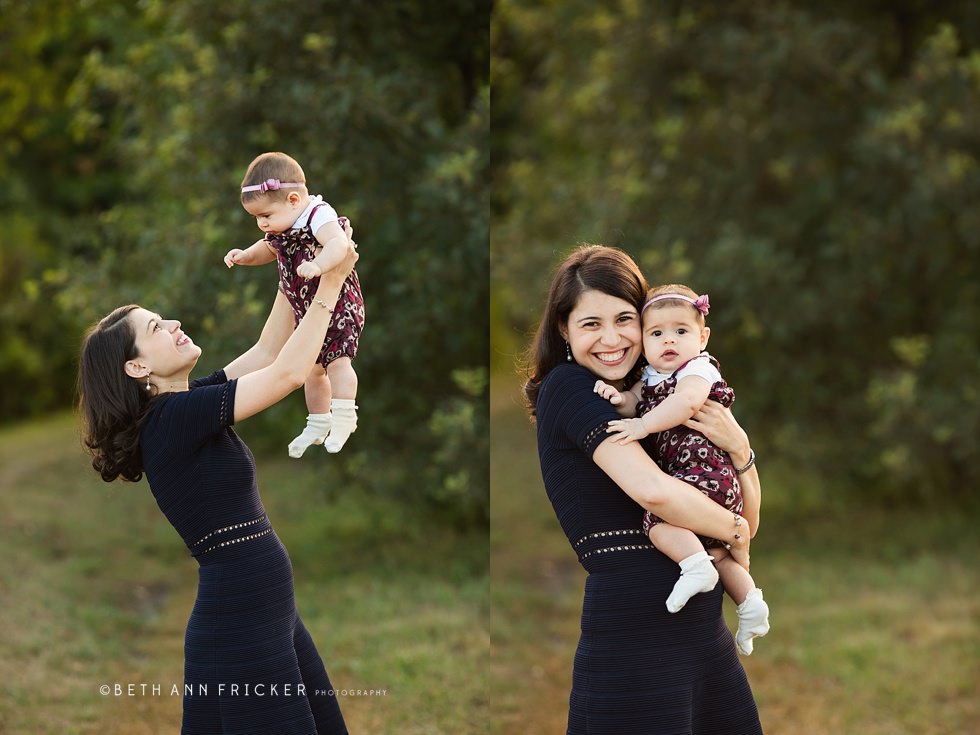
x: 688, y: 455
x: 296, y: 246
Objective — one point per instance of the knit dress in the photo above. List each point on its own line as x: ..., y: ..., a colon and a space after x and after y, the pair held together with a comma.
x: 250, y: 666
x: 638, y: 668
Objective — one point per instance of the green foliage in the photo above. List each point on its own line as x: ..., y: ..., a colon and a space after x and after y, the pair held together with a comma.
x: 815, y: 171
x: 386, y: 107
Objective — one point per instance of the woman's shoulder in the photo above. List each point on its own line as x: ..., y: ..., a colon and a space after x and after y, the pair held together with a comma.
x: 568, y: 376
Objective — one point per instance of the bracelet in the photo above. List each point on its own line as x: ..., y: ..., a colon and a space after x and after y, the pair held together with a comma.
x: 740, y: 470
x: 322, y: 303
x: 738, y: 523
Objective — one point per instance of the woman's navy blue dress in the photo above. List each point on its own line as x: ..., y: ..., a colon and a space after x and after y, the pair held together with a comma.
x: 250, y: 666
x: 638, y: 668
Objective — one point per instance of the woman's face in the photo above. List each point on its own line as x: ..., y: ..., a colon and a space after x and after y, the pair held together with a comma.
x: 603, y: 332
x: 162, y: 346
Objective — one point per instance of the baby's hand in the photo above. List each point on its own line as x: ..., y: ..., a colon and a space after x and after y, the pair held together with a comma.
x: 627, y: 430
x: 608, y: 392
x: 308, y: 269
x: 231, y: 259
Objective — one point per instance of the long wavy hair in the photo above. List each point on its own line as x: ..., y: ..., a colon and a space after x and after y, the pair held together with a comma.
x: 113, y: 405
x: 587, y: 268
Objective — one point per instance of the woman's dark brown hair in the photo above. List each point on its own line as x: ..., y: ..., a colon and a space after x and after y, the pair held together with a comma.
x: 113, y: 405
x: 587, y: 268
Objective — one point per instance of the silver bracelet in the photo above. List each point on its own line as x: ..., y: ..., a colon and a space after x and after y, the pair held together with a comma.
x: 738, y: 523
x: 740, y: 470
x: 324, y: 305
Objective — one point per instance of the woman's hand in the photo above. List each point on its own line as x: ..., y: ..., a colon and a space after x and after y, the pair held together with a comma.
x: 740, y: 550
x: 720, y: 427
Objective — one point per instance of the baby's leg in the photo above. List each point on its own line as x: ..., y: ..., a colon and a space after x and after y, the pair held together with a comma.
x: 697, y: 571
x: 343, y: 379
x: 753, y: 612
x: 317, y: 389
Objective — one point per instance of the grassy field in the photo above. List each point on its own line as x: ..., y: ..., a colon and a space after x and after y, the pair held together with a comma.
x: 875, y: 625
x: 95, y: 588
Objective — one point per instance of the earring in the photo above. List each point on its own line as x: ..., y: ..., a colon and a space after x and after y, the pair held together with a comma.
x: 568, y: 352
x: 147, y: 382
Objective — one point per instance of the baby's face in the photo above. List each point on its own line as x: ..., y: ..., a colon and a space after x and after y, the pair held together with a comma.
x: 274, y: 216
x: 672, y: 336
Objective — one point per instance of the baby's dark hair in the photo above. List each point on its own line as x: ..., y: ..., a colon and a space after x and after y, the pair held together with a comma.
x: 273, y: 165
x: 671, y: 288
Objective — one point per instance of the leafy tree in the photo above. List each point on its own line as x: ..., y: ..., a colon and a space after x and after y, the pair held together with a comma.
x: 813, y: 170
x: 386, y: 107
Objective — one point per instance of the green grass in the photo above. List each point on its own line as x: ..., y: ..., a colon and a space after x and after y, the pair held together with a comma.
x: 97, y: 587
x: 874, y: 612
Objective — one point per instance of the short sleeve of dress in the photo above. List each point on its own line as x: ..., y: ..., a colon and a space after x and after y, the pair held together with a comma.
x: 187, y: 420
x: 218, y: 376
x: 568, y: 406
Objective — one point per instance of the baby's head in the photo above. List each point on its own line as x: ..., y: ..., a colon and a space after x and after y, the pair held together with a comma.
x: 274, y: 191
x: 673, y: 326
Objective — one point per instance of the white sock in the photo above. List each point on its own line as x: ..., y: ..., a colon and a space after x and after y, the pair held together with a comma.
x: 698, y: 574
x: 317, y: 428
x: 344, y: 423
x: 753, y: 621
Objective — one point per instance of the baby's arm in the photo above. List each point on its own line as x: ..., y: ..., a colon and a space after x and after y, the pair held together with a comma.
x: 625, y: 402
x: 333, y: 239
x: 689, y: 395
x: 258, y: 253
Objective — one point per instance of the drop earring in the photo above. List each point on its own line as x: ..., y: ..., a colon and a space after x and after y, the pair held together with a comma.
x: 147, y: 382
x: 568, y: 352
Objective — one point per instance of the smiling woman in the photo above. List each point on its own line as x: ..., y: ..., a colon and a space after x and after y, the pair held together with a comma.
x: 144, y: 414
x: 638, y: 668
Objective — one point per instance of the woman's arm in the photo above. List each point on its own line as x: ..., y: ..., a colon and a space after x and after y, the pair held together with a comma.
x: 276, y: 331
x: 258, y: 390
x: 718, y: 424
x: 678, y: 503
x: 751, y: 498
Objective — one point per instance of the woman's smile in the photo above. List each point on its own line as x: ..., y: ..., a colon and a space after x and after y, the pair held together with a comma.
x: 611, y: 358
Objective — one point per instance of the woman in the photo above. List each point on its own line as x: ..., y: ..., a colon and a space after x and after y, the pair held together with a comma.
x: 638, y: 668
x: 250, y: 665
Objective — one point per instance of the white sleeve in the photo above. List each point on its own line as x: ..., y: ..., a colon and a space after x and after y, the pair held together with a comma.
x: 321, y: 216
x: 702, y: 367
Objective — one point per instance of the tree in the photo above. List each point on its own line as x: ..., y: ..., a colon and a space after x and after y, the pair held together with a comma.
x: 813, y: 170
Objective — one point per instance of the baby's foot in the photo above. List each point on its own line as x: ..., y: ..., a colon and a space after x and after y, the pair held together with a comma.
x: 698, y: 574
x: 344, y: 424
x: 753, y: 621
x: 317, y: 428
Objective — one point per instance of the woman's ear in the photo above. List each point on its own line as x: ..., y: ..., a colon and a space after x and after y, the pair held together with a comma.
x: 135, y: 369
x: 563, y: 331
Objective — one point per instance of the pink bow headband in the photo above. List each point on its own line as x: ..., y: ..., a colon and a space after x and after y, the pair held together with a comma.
x: 272, y: 185
x: 700, y: 303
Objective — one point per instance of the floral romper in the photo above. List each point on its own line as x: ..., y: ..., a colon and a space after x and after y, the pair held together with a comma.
x: 296, y: 246
x: 688, y: 455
